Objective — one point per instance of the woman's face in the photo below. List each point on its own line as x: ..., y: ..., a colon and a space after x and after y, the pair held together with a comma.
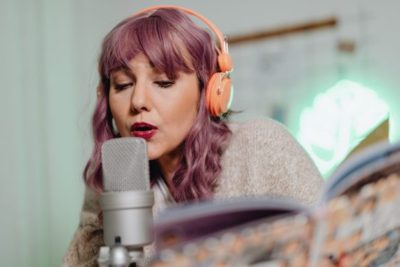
x: 145, y: 103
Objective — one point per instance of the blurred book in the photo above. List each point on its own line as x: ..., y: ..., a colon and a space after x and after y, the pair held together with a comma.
x: 356, y: 223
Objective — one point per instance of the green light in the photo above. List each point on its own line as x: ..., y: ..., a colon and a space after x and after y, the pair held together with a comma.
x: 337, y: 121
x: 231, y: 97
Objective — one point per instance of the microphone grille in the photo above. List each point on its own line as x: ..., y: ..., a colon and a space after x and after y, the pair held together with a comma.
x: 125, y: 165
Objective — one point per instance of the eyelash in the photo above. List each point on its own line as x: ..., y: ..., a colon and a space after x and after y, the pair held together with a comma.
x: 122, y: 86
x: 162, y: 84
x: 165, y: 84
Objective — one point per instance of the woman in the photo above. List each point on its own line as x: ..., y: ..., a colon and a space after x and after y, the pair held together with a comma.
x: 155, y: 69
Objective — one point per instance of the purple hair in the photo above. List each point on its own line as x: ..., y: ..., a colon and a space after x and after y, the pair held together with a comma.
x: 172, y: 43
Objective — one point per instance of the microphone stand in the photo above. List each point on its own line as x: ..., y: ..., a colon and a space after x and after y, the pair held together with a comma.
x: 120, y: 256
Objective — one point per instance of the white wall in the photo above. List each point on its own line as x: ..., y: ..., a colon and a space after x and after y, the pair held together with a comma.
x: 48, y: 72
x: 41, y: 155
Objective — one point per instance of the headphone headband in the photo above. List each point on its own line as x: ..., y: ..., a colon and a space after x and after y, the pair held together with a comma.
x: 211, y: 25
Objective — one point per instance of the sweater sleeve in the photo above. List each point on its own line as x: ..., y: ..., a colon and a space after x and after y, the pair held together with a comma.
x: 88, y: 238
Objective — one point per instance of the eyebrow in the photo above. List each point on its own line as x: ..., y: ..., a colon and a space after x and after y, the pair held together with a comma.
x: 124, y: 70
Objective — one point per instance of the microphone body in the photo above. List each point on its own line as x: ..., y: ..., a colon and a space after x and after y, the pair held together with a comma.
x: 127, y: 218
x: 126, y: 202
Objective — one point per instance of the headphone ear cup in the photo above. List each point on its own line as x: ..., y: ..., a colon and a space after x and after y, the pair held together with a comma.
x: 218, y: 94
x: 210, y: 88
x: 225, y: 96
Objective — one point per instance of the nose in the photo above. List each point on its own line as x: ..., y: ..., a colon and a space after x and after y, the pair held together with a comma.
x: 140, y: 100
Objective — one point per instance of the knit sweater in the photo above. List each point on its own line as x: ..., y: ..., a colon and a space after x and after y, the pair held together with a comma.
x: 262, y: 158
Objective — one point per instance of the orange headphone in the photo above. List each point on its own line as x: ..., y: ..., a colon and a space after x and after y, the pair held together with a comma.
x: 219, y: 91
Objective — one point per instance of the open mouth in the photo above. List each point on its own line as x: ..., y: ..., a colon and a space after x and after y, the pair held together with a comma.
x: 143, y: 130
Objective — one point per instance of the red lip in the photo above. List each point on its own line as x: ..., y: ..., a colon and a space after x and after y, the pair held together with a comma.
x: 143, y: 130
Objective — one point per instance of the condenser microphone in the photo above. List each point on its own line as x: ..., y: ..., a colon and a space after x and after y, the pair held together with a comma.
x: 127, y: 199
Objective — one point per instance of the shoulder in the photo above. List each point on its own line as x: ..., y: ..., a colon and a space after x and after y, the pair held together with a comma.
x: 261, y: 141
x: 264, y: 158
x: 265, y: 133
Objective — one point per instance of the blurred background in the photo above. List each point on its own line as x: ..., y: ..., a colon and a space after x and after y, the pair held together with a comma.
x: 328, y: 70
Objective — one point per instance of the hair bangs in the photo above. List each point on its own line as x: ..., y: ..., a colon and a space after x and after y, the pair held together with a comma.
x: 150, y: 36
x: 164, y: 49
x: 119, y: 47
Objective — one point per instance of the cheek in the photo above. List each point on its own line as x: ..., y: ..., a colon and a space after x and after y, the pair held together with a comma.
x: 189, y: 102
x: 114, y: 113
x: 183, y: 112
x: 112, y: 105
x: 118, y: 111
x: 117, y: 107
x: 187, y: 116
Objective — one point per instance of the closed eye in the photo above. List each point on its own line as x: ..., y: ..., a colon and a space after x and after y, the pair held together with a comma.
x: 122, y: 86
x: 164, y: 83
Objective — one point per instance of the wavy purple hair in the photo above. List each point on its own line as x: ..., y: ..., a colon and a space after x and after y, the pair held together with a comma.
x: 172, y: 43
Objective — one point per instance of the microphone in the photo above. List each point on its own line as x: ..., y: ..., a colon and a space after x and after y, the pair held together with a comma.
x: 126, y: 202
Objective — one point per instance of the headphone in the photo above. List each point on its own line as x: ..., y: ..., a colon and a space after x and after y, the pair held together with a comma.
x: 219, y: 91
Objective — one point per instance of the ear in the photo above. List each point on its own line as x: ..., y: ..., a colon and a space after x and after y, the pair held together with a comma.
x: 99, y: 91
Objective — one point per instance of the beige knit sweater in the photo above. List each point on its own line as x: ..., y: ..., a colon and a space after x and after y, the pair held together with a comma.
x: 261, y: 159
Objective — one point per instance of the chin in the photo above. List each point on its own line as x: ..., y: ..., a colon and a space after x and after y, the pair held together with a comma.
x: 151, y: 158
x: 151, y: 154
